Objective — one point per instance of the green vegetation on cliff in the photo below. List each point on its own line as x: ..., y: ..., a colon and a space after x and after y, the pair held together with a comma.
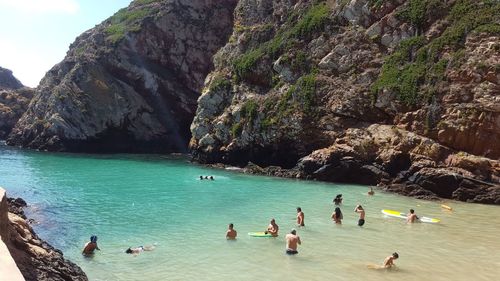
x: 417, y: 61
x: 126, y: 20
x: 314, y: 20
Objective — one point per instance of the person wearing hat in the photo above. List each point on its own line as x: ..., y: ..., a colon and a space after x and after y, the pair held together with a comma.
x: 292, y: 241
x: 89, y: 248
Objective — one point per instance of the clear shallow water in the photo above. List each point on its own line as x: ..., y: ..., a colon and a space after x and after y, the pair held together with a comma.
x: 141, y: 200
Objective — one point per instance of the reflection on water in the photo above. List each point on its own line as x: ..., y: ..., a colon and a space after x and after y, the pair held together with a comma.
x: 139, y: 200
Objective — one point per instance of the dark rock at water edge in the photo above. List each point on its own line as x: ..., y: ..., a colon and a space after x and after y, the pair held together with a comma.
x: 37, y: 260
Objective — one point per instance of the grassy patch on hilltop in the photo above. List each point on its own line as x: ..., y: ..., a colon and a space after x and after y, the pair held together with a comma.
x: 125, y: 21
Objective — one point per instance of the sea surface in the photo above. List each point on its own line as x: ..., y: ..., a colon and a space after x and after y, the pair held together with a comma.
x: 133, y: 200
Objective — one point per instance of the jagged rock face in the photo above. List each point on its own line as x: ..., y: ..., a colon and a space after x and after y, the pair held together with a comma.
x: 35, y: 258
x: 8, y: 81
x: 14, y: 100
x: 131, y: 83
x: 298, y: 77
x: 13, y: 104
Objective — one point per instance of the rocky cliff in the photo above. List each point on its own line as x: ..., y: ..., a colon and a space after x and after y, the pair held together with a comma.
x: 399, y: 93
x: 131, y: 83
x: 8, y: 81
x: 14, y: 100
x: 36, y: 259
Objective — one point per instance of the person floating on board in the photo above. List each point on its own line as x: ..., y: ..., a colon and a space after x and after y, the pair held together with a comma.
x: 89, y: 248
x: 359, y: 209
x: 212, y: 178
x: 138, y: 250
x: 231, y: 233
x: 337, y: 216
x: 411, y: 217
x: 292, y: 240
x: 338, y: 199
x: 371, y: 192
x: 201, y: 178
x: 206, y: 177
x: 389, y: 261
x: 300, y: 217
x: 272, y: 228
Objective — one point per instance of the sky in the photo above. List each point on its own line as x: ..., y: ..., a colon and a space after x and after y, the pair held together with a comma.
x: 36, y: 34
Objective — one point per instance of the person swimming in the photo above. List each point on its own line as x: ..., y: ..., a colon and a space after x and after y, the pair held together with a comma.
x: 201, y: 178
x: 89, y: 248
x: 139, y: 249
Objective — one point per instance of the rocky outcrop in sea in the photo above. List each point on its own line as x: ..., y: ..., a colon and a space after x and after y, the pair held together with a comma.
x: 131, y: 83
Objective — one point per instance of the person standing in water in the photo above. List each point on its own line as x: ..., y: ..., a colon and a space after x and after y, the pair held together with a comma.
x: 371, y: 192
x: 292, y: 241
x: 411, y: 217
x: 389, y: 261
x: 272, y: 228
x: 89, y: 248
x: 231, y: 233
x: 300, y: 217
x: 337, y: 216
x: 359, y: 209
x: 338, y: 199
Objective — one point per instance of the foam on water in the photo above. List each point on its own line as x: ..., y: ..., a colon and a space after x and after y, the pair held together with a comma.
x: 144, y: 200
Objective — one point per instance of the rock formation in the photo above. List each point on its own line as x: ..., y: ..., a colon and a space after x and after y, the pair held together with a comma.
x: 14, y: 100
x: 404, y: 94
x: 37, y: 260
x: 8, y: 81
x: 131, y: 83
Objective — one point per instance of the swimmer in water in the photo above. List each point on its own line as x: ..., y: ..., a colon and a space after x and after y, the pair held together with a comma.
x: 201, y: 178
x: 138, y: 250
x: 300, y: 217
x: 231, y: 233
x: 389, y: 261
x: 338, y: 199
x: 272, y: 228
x: 411, y: 217
x: 359, y: 209
x: 292, y: 240
x: 337, y: 216
x: 89, y: 248
x: 371, y: 192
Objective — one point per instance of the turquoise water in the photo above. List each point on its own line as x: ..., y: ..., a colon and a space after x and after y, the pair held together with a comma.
x: 132, y: 200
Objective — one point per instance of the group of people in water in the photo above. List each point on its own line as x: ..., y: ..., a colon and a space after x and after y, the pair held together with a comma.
x: 293, y: 240
x: 207, y: 178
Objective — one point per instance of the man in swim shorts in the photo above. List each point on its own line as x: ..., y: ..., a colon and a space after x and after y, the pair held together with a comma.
x: 292, y: 240
x: 89, y: 248
x: 272, y: 228
x: 300, y: 217
x: 359, y: 209
x: 231, y: 233
x: 389, y: 261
